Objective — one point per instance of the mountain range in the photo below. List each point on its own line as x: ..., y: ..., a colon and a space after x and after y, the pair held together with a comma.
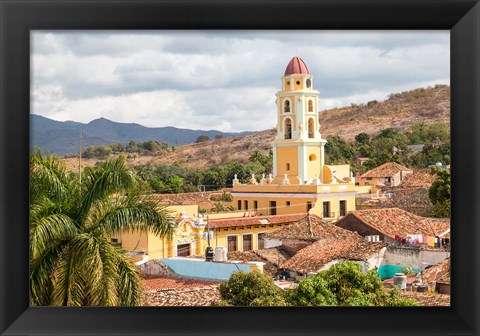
x: 399, y: 111
x: 62, y: 138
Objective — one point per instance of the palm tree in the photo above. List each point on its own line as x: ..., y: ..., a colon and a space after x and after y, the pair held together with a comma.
x: 72, y: 262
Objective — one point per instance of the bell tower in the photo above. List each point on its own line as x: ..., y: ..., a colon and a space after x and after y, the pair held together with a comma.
x: 298, y: 148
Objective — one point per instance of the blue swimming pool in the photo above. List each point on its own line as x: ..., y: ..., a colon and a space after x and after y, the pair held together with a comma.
x: 388, y: 271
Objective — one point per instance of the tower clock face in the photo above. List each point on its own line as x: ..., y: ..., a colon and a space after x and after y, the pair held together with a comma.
x: 309, y: 83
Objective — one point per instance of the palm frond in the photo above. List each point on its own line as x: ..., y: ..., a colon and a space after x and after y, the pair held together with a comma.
x: 112, y: 178
x: 129, y: 288
x: 48, y: 230
x: 133, y: 216
x: 48, y: 176
x: 41, y: 270
x: 103, y: 292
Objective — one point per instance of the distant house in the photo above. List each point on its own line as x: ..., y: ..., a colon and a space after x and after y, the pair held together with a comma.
x: 319, y: 244
x: 300, y: 234
x: 416, y: 147
x: 330, y: 250
x: 247, y: 233
x: 391, y: 223
x: 413, y: 241
x: 388, y: 174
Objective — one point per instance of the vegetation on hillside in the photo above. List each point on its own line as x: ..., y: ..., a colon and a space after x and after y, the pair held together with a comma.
x: 390, y: 145
x: 343, y: 284
x: 174, y: 178
x: 72, y: 217
x: 151, y: 147
x: 399, y: 111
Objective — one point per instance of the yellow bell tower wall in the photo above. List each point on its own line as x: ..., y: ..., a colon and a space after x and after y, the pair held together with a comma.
x: 287, y: 157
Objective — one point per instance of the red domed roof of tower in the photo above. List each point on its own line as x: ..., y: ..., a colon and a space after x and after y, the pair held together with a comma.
x: 296, y: 66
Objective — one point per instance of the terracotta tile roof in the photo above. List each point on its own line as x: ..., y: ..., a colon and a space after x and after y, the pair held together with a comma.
x: 444, y: 279
x: 202, y: 199
x: 419, y: 178
x: 307, y: 228
x: 180, y: 291
x: 385, y: 170
x: 395, y: 221
x: 258, y: 220
x: 349, y: 246
x: 427, y: 299
x: 175, y: 282
x: 412, y: 199
x: 272, y: 257
x: 437, y: 271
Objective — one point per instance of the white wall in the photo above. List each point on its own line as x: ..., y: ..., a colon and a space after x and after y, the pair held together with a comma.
x: 413, y: 257
x: 270, y: 242
x: 432, y: 258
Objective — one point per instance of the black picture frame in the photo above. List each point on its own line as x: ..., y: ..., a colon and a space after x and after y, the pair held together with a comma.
x: 19, y: 17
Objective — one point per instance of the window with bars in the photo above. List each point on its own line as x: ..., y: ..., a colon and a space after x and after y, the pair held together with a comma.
x: 247, y: 242
x: 232, y: 243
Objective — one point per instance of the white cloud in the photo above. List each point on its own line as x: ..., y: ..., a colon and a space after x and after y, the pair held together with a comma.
x: 222, y: 80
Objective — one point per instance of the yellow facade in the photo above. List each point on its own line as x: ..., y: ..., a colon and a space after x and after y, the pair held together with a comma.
x: 287, y: 161
x: 221, y: 235
x: 188, y: 232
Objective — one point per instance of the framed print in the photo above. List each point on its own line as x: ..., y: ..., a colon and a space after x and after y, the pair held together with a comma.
x: 22, y: 20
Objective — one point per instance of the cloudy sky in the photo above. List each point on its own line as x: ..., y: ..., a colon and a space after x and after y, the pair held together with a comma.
x: 224, y: 80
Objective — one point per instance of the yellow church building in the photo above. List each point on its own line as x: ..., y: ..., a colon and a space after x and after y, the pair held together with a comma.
x: 301, y: 181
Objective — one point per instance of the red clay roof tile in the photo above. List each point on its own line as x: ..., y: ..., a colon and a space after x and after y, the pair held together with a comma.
x: 385, y: 170
x: 395, y: 221
x: 258, y: 220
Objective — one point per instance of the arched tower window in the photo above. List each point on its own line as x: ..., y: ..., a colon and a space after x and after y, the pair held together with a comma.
x: 311, y: 131
x: 288, y: 128
x: 286, y: 106
x: 310, y: 106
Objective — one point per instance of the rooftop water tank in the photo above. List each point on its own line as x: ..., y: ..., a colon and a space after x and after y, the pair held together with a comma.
x: 400, y: 280
x: 220, y: 254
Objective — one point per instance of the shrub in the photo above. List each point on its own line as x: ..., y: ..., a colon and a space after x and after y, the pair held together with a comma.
x: 251, y: 289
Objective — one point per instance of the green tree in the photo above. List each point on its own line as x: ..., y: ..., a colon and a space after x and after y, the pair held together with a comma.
x: 151, y: 146
x: 439, y: 193
x: 103, y: 152
x: 344, y: 284
x: 132, y: 147
x: 175, y: 184
x: 202, y: 138
x: 117, y: 147
x: 362, y: 138
x: 338, y: 151
x: 72, y: 262
x: 250, y: 289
